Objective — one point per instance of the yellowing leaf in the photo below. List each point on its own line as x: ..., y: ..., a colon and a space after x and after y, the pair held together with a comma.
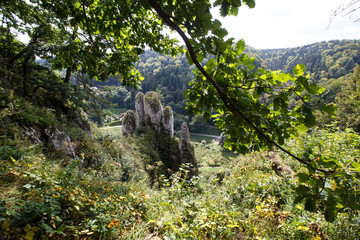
x: 29, y: 235
x: 12, y: 159
x: 53, y: 224
x: 34, y: 228
x: 6, y: 225
x: 232, y: 226
x: 114, y: 222
x: 302, y: 128
x: 303, y: 228
x: 316, y: 238
x: 299, y: 69
x: 27, y: 228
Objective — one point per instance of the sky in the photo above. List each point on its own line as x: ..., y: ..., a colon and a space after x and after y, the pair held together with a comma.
x: 289, y: 23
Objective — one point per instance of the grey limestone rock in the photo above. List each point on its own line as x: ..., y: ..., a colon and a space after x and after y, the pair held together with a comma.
x: 168, y: 120
x: 139, y: 108
x: 277, y: 165
x: 153, y: 108
x: 128, y: 125
x: 187, y: 154
x: 33, y: 134
x: 61, y: 141
x: 84, y: 124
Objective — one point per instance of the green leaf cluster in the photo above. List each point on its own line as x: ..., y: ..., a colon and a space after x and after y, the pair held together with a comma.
x: 255, y: 111
x: 334, y: 190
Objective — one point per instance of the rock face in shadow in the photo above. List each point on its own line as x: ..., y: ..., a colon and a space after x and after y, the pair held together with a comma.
x: 128, y: 125
x: 187, y: 153
x: 168, y: 120
x: 61, y: 141
x: 139, y: 109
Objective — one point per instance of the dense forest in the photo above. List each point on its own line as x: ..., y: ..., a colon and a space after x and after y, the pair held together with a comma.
x: 330, y: 64
x: 286, y: 165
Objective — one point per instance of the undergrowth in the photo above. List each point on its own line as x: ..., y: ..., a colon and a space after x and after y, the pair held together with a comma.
x: 45, y: 195
x: 43, y: 199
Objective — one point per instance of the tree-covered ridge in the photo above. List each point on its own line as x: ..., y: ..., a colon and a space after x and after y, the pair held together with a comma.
x: 329, y: 63
x: 317, y: 57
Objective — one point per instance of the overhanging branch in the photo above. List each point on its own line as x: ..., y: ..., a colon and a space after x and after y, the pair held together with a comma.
x: 230, y: 105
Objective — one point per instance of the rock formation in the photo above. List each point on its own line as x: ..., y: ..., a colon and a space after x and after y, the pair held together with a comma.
x: 187, y: 154
x: 150, y: 112
x: 168, y: 120
x: 276, y: 164
x: 61, y: 141
x: 153, y: 109
x: 139, y: 109
x: 128, y: 125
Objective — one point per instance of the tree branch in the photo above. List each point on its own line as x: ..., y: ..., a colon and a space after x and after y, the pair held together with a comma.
x: 230, y: 105
x: 87, y: 22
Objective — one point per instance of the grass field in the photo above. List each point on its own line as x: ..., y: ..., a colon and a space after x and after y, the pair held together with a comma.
x: 199, y: 139
x: 113, y: 131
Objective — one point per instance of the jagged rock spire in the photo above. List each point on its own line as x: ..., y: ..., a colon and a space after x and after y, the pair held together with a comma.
x: 139, y: 109
x: 168, y: 120
x: 187, y: 153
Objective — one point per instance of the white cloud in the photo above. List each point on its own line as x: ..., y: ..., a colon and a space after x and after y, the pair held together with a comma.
x: 285, y: 23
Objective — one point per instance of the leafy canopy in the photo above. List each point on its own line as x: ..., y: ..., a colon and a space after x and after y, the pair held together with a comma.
x: 103, y: 38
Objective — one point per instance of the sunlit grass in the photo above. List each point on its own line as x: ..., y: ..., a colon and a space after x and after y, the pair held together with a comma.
x: 200, y: 138
x: 112, y: 131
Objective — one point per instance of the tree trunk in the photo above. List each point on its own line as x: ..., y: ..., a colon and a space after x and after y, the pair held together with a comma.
x: 68, y: 75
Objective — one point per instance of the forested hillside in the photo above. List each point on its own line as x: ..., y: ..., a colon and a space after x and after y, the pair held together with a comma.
x: 329, y: 64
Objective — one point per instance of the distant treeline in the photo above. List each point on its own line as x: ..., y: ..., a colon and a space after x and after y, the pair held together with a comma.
x: 329, y: 64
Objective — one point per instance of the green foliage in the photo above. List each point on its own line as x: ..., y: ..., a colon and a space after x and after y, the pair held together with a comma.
x: 161, y: 155
x: 97, y: 39
x: 197, y: 124
x: 334, y: 189
x: 348, y: 101
x: 171, y: 76
x: 237, y: 99
x: 91, y: 37
x: 66, y: 201
x: 211, y: 154
x: 327, y: 62
x: 42, y: 198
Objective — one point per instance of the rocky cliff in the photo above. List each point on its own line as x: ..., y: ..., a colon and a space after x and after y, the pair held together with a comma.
x: 151, y: 116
